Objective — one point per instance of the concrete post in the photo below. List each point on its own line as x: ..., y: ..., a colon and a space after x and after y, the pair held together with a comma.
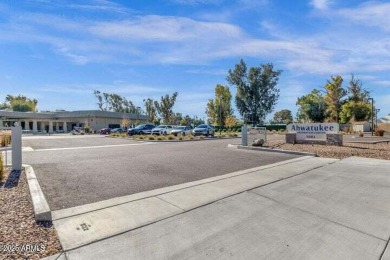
x: 16, y: 137
x: 50, y: 127
x: 27, y: 125
x: 35, y: 126
x: 65, y: 128
x: 57, y: 127
x: 244, y: 135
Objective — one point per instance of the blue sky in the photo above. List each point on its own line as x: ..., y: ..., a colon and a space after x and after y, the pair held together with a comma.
x: 60, y: 51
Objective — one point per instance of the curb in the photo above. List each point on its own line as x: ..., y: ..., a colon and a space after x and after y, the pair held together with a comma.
x: 41, y: 207
x: 271, y: 150
x: 180, y: 141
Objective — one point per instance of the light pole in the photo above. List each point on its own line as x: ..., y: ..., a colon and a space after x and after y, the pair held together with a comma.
x: 372, y: 116
x: 376, y: 117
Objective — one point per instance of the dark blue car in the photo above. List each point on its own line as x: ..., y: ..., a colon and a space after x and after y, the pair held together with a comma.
x: 141, y: 129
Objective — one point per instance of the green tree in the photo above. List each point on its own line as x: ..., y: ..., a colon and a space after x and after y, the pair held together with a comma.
x: 100, y: 102
x: 312, y: 107
x: 176, y: 118
x: 151, y: 110
x: 355, y: 111
x: 283, y: 116
x: 231, y: 121
x: 356, y: 91
x: 211, y: 112
x: 256, y: 90
x: 21, y: 103
x: 186, y: 120
x: 164, y: 107
x: 357, y: 107
x: 219, y: 108
x: 115, y: 103
x: 334, y: 97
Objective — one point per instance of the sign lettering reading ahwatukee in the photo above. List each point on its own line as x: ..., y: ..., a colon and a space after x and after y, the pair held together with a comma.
x: 313, y: 131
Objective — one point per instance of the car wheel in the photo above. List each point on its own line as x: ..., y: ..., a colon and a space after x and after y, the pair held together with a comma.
x: 183, y: 133
x: 141, y: 133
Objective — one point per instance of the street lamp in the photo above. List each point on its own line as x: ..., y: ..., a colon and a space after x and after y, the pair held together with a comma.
x: 372, y: 116
x: 376, y: 117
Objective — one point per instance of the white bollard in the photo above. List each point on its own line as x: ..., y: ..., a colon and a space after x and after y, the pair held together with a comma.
x: 16, y: 144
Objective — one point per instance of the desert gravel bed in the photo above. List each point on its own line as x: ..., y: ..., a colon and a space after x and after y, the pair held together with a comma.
x: 378, y: 150
x: 19, y: 231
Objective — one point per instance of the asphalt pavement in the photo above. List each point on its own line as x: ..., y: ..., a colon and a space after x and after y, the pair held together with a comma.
x: 78, y: 170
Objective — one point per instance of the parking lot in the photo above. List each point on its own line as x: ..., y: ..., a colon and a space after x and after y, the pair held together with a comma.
x: 77, y: 170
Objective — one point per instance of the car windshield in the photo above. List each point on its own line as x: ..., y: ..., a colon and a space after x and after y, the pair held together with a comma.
x: 181, y: 127
x: 140, y: 126
x: 201, y: 126
x: 161, y: 126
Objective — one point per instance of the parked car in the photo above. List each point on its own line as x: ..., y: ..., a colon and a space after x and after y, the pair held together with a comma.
x: 203, y: 129
x: 117, y: 130
x: 183, y: 130
x: 105, y: 131
x: 162, y: 130
x: 141, y: 129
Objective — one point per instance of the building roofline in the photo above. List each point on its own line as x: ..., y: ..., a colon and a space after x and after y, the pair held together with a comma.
x: 69, y: 114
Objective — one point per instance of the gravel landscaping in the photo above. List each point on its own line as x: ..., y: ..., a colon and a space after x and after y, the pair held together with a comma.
x: 378, y: 150
x: 21, y: 237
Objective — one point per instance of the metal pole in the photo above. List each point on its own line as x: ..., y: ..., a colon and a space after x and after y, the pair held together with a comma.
x: 376, y: 117
x: 372, y: 116
x: 220, y: 117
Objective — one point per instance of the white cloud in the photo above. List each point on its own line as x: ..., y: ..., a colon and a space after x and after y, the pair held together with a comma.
x: 321, y: 4
x: 198, y: 2
x: 165, y: 29
x: 369, y: 14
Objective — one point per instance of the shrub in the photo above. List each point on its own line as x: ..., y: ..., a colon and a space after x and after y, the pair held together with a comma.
x: 140, y: 137
x: 151, y: 137
x: 1, y: 167
x: 171, y: 137
x: 160, y: 138
x: 181, y: 138
x: 192, y: 137
x: 5, y: 139
x: 361, y: 134
x: 379, y: 132
x: 201, y: 137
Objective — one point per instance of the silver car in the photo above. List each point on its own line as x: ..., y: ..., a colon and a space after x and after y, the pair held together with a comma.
x: 183, y: 130
x: 203, y: 129
x: 162, y: 130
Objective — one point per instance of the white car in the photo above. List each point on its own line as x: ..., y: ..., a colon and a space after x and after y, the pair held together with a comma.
x: 203, y: 129
x: 183, y: 130
x: 162, y: 130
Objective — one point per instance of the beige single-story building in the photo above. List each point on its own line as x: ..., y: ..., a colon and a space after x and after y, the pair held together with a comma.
x: 362, y: 126
x: 65, y: 121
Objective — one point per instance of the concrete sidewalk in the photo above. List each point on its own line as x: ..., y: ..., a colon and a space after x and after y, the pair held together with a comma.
x: 311, y: 208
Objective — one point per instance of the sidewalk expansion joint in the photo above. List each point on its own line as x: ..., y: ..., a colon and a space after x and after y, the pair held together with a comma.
x: 183, y: 210
x: 387, y: 247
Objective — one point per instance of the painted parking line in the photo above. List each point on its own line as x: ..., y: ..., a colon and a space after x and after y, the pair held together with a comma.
x: 92, y: 147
